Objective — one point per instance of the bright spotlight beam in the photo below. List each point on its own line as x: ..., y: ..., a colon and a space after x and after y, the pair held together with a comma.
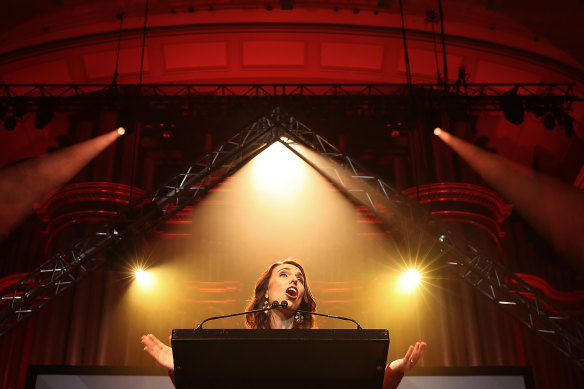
x: 409, y: 281
x: 553, y: 208
x: 144, y: 278
x: 27, y: 183
x: 277, y: 171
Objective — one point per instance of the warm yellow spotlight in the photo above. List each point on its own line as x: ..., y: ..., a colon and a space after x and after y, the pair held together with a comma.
x: 437, y: 131
x: 144, y: 278
x: 278, y: 171
x: 121, y: 131
x: 409, y: 281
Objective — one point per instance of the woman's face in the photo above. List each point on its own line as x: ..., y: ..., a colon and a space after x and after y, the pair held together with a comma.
x: 286, y: 283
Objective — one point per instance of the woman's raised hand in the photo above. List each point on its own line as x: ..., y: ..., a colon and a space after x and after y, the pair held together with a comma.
x: 409, y: 360
x: 158, y: 350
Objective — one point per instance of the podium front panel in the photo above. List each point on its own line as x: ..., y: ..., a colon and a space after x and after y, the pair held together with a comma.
x: 300, y: 359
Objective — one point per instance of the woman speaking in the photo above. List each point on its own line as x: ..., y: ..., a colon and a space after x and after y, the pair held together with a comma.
x: 286, y: 281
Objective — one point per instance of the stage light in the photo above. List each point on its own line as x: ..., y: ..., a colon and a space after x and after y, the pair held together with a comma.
x: 145, y: 279
x: 278, y: 171
x: 121, y: 131
x: 512, y: 106
x: 19, y: 109
x: 3, y: 110
x: 569, y: 126
x: 552, y: 213
x: 35, y: 178
x: 409, y: 281
x: 562, y: 119
x: 549, y: 121
x: 437, y: 131
x: 394, y: 124
x: 10, y: 123
x: 43, y: 116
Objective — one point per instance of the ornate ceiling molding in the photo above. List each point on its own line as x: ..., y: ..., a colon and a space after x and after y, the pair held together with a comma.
x: 83, y: 203
x: 465, y: 203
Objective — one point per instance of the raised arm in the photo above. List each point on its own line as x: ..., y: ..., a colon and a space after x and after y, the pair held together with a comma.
x: 159, y: 351
x: 407, y: 363
x: 395, y: 371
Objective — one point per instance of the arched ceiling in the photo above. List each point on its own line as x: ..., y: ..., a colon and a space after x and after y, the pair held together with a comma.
x: 521, y: 20
x: 229, y: 41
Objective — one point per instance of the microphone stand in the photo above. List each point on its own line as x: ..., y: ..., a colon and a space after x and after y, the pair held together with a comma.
x: 284, y: 304
x: 275, y: 304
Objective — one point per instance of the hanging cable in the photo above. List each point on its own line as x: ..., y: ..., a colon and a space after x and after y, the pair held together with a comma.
x: 137, y: 134
x: 443, y: 44
x: 120, y: 16
x: 143, y: 41
x: 431, y: 18
x: 409, y: 84
x: 407, y: 58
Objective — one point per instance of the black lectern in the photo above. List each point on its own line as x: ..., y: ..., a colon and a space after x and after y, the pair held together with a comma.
x: 299, y: 359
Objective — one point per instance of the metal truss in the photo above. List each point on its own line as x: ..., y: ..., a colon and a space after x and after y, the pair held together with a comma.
x: 395, y: 211
x: 69, y: 97
x: 526, y: 304
x: 399, y: 213
x: 66, y: 269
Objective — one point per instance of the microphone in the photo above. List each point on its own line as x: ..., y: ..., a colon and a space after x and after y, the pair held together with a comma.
x: 274, y: 304
x: 284, y: 304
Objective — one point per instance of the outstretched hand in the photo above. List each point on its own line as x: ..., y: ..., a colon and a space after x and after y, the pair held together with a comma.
x: 409, y: 360
x: 158, y: 350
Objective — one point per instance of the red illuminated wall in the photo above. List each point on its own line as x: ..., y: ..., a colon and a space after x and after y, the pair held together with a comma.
x: 79, y: 44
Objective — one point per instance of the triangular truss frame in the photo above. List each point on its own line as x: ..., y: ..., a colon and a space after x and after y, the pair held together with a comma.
x: 395, y: 211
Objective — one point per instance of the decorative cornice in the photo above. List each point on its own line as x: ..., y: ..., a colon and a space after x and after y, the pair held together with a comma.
x: 81, y: 204
x: 466, y: 203
x: 571, y: 301
x: 9, y: 280
x: 84, y: 197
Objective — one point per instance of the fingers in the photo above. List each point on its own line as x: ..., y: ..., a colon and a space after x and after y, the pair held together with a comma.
x: 410, y: 359
x: 152, y: 344
x: 409, y: 353
x: 416, y: 353
x: 149, y: 341
x: 158, y: 350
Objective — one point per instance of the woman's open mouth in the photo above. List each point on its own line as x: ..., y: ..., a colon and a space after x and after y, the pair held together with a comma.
x: 292, y: 292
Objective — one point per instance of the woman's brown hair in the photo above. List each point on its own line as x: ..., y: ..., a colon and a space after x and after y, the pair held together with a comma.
x: 259, y: 320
